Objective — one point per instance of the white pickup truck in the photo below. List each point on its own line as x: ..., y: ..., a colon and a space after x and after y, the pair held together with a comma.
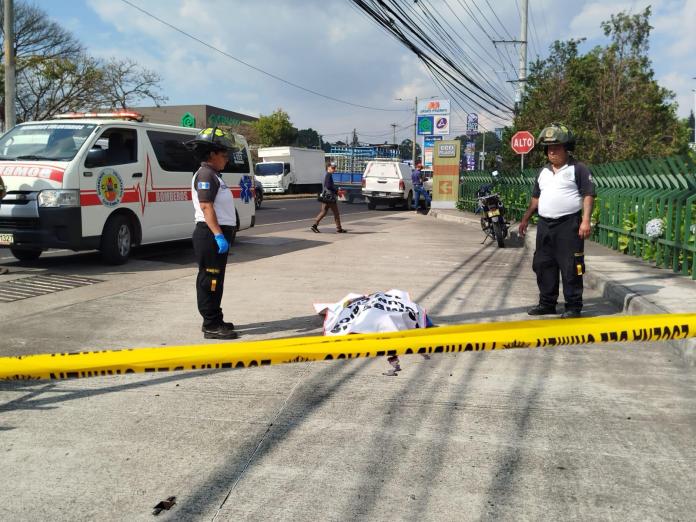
x: 387, y: 182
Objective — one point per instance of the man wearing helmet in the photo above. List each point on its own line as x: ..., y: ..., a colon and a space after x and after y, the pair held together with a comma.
x: 215, y: 218
x: 563, y: 196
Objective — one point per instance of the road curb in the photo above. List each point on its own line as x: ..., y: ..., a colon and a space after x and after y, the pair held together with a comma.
x: 288, y: 196
x: 630, y: 302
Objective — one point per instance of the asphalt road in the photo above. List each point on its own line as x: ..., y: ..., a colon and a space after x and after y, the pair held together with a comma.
x: 598, y: 432
x: 273, y: 216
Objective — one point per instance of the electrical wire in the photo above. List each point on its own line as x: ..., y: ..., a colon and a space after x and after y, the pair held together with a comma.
x: 257, y: 69
x: 403, y: 25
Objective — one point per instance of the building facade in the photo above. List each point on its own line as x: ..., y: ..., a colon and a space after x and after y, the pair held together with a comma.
x: 197, y: 116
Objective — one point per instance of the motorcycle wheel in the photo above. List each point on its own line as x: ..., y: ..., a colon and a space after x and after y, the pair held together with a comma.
x: 499, y: 236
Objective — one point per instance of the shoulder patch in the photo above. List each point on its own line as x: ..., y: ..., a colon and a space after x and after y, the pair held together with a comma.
x: 203, y: 185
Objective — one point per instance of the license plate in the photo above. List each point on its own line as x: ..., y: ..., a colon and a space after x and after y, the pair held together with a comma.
x: 6, y: 239
x: 492, y: 213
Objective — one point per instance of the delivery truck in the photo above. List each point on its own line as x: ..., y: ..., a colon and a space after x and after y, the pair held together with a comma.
x: 290, y: 170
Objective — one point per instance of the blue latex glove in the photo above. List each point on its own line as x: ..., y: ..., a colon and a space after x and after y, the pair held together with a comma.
x: 223, y: 245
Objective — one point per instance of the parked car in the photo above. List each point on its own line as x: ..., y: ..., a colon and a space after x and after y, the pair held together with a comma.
x: 387, y: 183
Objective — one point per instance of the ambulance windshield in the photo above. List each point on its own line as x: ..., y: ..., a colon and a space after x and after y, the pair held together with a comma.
x: 44, y: 141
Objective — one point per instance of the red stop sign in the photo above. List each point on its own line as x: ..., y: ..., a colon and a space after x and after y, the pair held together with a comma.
x: 522, y: 142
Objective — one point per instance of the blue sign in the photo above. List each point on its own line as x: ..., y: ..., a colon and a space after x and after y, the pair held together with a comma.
x: 472, y: 123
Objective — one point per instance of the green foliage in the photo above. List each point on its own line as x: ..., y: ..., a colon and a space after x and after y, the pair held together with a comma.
x: 608, y: 97
x: 308, y: 138
x: 275, y: 129
x: 406, y: 149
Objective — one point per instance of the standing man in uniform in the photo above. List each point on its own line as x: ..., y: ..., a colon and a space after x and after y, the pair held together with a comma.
x: 563, y: 196
x: 418, y: 189
x: 215, y: 218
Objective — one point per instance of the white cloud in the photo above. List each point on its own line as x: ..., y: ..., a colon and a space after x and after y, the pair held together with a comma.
x: 330, y: 47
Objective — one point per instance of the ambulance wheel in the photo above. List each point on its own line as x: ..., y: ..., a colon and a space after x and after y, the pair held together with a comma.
x: 117, y: 240
x: 26, y: 254
x: 236, y: 228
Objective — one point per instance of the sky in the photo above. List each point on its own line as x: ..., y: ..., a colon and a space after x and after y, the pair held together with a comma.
x: 330, y: 47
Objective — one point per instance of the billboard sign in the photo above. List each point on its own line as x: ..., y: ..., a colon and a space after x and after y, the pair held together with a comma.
x: 471, y: 124
x: 425, y: 125
x: 428, y: 148
x: 433, y: 108
x: 446, y: 174
x: 442, y: 125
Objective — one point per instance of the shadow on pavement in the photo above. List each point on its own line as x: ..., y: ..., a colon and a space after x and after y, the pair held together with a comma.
x: 219, y: 486
x: 303, y: 324
x: 33, y: 401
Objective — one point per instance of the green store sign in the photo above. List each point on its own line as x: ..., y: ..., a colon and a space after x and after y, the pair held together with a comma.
x: 188, y: 120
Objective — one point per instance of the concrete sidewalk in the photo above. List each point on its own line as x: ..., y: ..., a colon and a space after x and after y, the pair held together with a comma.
x: 593, y: 432
x: 634, y: 286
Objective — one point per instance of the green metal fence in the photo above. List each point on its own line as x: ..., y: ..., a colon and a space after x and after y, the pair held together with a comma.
x: 629, y: 194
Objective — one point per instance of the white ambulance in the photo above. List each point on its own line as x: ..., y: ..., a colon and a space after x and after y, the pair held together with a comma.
x: 105, y: 181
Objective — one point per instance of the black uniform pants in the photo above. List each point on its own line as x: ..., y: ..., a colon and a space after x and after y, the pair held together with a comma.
x: 559, y: 249
x: 211, y: 273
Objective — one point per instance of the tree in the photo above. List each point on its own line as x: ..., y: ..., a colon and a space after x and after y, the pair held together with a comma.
x: 406, y: 149
x: 55, y: 74
x: 608, y: 97
x: 275, y: 129
x: 308, y: 138
x: 124, y: 82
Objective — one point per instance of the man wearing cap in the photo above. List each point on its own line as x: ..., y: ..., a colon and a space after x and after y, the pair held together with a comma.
x: 418, y: 188
x: 563, y: 196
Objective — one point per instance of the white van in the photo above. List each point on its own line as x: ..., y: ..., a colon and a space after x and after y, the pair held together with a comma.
x: 387, y: 182
x: 105, y: 181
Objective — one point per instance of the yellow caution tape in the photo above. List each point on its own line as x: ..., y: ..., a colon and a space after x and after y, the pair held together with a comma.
x: 448, y: 339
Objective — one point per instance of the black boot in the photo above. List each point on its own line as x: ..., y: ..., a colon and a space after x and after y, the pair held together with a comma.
x: 542, y: 310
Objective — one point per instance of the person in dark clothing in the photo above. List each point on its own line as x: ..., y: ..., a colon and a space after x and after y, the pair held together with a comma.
x: 330, y: 201
x: 563, y: 195
x: 216, y: 220
x: 418, y: 189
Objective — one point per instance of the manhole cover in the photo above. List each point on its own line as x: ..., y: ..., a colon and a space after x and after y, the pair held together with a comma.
x: 26, y: 287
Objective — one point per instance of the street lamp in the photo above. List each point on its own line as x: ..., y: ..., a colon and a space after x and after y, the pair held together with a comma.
x: 415, y: 124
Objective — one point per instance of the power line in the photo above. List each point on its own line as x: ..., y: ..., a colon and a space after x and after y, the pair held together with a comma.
x: 392, y: 15
x: 271, y: 75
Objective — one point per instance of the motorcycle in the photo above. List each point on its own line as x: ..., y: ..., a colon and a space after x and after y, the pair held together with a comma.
x: 493, y: 221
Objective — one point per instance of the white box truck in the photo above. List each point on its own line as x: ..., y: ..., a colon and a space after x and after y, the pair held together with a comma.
x: 290, y: 169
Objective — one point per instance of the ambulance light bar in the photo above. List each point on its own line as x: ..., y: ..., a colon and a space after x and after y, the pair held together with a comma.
x: 117, y: 115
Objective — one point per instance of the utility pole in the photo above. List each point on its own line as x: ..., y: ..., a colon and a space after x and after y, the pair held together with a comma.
x: 483, y: 152
x: 694, y: 91
x: 415, y: 130
x: 10, y: 80
x: 394, y: 125
x: 523, y: 54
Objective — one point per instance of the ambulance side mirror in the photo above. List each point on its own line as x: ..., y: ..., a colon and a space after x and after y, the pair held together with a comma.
x: 95, y: 158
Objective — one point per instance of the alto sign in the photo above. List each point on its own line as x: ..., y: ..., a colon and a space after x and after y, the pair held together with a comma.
x: 522, y: 142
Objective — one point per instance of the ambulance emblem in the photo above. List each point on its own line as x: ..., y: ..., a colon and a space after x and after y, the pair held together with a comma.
x: 109, y: 187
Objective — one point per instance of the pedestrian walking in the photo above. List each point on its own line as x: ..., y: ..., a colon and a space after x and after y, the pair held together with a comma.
x: 329, y: 201
x: 418, y: 188
x: 563, y: 197
x: 215, y: 219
